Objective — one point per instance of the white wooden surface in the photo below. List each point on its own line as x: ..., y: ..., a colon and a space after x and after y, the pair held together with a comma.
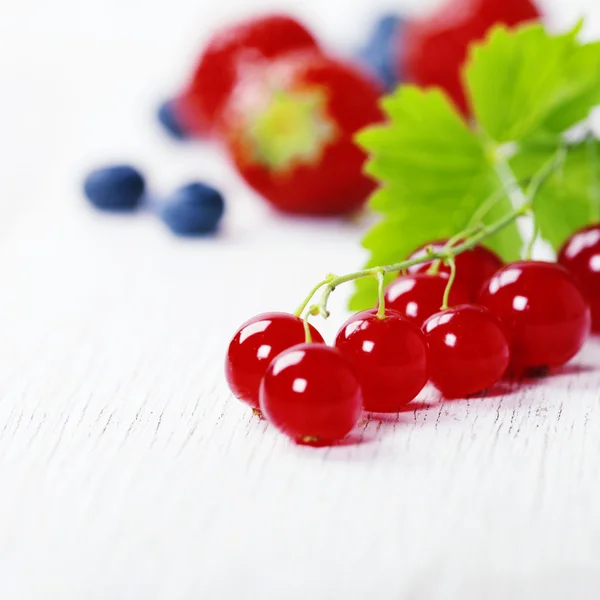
x: 127, y: 471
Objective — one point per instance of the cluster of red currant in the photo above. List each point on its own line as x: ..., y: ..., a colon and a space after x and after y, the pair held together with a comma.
x: 495, y: 319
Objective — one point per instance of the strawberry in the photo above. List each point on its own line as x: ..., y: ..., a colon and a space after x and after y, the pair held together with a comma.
x: 227, y: 53
x: 436, y: 48
x: 289, y: 126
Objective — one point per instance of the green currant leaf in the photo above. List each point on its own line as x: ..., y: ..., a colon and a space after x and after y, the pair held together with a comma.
x: 580, y: 90
x: 435, y: 174
x: 570, y: 199
x: 527, y: 80
x: 526, y: 87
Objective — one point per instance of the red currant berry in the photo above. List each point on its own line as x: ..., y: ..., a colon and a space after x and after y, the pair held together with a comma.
x: 544, y: 312
x: 256, y: 343
x: 467, y: 350
x: 389, y: 357
x: 473, y: 267
x: 581, y: 257
x: 310, y: 393
x: 420, y: 295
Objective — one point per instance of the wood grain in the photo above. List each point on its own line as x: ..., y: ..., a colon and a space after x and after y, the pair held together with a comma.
x: 128, y: 471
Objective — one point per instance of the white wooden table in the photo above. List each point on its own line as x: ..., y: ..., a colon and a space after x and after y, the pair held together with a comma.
x: 127, y: 470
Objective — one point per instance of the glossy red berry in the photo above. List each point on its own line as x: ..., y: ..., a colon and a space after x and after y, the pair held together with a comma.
x: 468, y: 350
x: 473, y: 267
x: 581, y: 257
x: 544, y: 312
x: 420, y: 295
x: 256, y: 343
x: 310, y: 393
x: 388, y: 356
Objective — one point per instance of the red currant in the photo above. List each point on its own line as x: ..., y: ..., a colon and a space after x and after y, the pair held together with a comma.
x: 544, y: 312
x: 581, y: 257
x: 310, y: 393
x: 256, y: 343
x: 420, y: 295
x: 467, y: 350
x: 473, y: 267
x: 389, y: 357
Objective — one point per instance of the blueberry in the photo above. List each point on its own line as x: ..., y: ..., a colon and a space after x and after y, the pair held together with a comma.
x: 167, y: 117
x: 193, y: 209
x: 116, y: 188
x: 381, y: 53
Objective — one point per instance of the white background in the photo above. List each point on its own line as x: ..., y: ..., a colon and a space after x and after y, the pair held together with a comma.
x: 128, y: 472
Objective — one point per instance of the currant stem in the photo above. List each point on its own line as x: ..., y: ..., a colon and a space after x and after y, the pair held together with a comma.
x: 510, y: 184
x: 463, y: 235
x: 308, y: 298
x: 547, y: 170
x: 475, y: 234
x: 307, y: 334
x: 532, y: 240
x: 536, y: 183
x: 435, y: 265
x: 483, y: 233
x: 494, y: 198
x: 381, y: 291
x: 452, y: 264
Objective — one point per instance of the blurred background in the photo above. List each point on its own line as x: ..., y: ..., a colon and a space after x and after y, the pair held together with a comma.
x: 80, y: 85
x: 80, y: 82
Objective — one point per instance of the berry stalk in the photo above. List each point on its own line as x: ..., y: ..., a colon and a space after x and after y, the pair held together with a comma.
x: 537, y: 181
x: 452, y: 264
x: 448, y: 254
x: 381, y: 294
x: 466, y: 240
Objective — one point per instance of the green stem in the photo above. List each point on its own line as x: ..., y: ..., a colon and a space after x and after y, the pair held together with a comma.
x: 308, y: 298
x: 494, y: 198
x: 307, y: 334
x: 548, y: 169
x: 532, y: 240
x: 459, y: 237
x: 434, y: 269
x: 445, y: 255
x: 381, y: 292
x: 452, y: 263
x: 510, y: 184
x: 536, y: 183
x: 463, y: 235
x: 522, y: 203
x: 435, y: 265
